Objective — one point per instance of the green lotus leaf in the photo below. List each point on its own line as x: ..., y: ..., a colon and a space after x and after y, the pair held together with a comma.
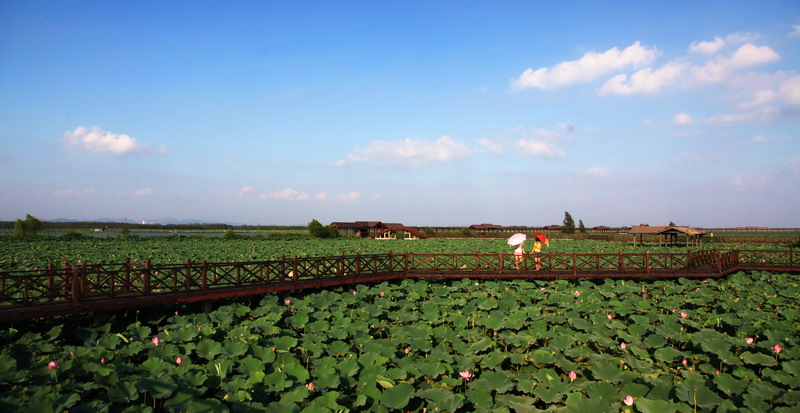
x: 646, y: 405
x: 431, y: 369
x: 668, y: 354
x: 328, y: 401
x: 155, y: 366
x: 481, y: 399
x: 348, y: 367
x: 578, y: 403
x: 338, y: 348
x: 295, y: 395
x: 235, y: 348
x: 284, y: 344
x: 497, y: 381
x: 266, y: 354
x: 758, y: 358
x: 782, y: 377
x: 553, y: 392
x: 442, y: 399
x: 697, y: 393
x: 159, y: 388
x: 7, y: 363
x: 398, y: 396
x: 543, y: 356
x: 372, y: 358
x: 634, y: 389
x: 277, y: 381
x: 195, y: 377
x: 729, y: 384
x: 764, y: 390
x: 384, y: 382
x: 602, y: 393
x: 606, y: 371
x: 221, y: 316
x: 220, y: 367
x: 515, y: 403
x: 298, y: 320
x: 492, y: 360
x: 655, y: 341
x: 208, y: 349
x: 182, y: 334
x: 182, y: 398
x: 481, y: 345
x: 296, y: 370
x: 487, y: 304
x: 250, y: 364
x: 327, y: 381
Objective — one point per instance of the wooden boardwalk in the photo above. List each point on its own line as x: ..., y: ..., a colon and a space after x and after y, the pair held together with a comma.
x: 108, y: 287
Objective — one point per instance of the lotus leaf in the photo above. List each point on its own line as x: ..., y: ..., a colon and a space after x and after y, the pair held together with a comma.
x: 759, y: 359
x: 398, y: 396
x: 646, y: 405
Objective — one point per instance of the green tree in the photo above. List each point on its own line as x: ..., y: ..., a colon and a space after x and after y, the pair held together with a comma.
x: 581, y: 227
x: 228, y: 234
x: 569, y: 224
x: 28, y: 227
x: 465, y: 232
x: 317, y: 230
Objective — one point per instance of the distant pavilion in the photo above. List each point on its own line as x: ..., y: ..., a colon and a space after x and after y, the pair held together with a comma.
x: 667, y: 234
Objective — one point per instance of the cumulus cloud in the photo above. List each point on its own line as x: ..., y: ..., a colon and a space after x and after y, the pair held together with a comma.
x: 412, y: 151
x: 683, y: 119
x: 713, y: 46
x: 591, y: 66
x: 143, y: 192
x: 495, y: 146
x: 795, y: 31
x: 97, y: 141
x: 718, y: 69
x: 539, y: 148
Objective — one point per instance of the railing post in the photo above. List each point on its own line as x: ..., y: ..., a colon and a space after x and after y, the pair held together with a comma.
x: 84, y: 278
x: 341, y: 265
x: 283, y: 267
x: 574, y: 263
x: 51, y: 282
x: 391, y: 265
x: 647, y: 261
x: 294, y: 268
x: 204, y: 275
x: 719, y: 261
x: 74, y: 286
x: 479, y: 261
x: 127, y: 273
x: 405, y: 264
x: 358, y: 264
x: 621, y: 261
x: 500, y: 262
x: 147, y: 276
x: 188, y: 283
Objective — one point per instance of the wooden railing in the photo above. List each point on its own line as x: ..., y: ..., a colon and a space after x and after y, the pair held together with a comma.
x: 85, y: 287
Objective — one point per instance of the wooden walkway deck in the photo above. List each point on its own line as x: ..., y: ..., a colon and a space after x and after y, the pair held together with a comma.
x: 108, y: 287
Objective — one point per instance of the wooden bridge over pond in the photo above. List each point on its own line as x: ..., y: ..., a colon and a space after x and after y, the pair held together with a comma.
x: 109, y: 287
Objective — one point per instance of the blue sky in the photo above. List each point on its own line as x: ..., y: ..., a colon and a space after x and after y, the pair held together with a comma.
x: 426, y: 113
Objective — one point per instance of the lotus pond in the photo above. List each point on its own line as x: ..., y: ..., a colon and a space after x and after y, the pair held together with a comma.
x: 428, y: 345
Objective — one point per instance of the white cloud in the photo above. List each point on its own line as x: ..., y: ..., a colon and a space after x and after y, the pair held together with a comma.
x: 591, y: 66
x: 97, y: 141
x: 681, y: 71
x: 707, y: 47
x: 412, y: 152
x: 789, y: 90
x: 683, y: 119
x: 143, y: 192
x: 644, y: 81
x: 599, y: 171
x: 340, y: 163
x: 759, y: 139
x: 244, y: 191
x: 539, y: 148
x: 291, y: 194
x: 698, y: 158
x: 765, y: 114
x: 795, y: 31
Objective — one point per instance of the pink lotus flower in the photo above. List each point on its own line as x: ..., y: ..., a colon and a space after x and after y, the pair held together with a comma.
x: 103, y: 360
x: 287, y: 301
x: 777, y: 348
x: 577, y: 293
x: 622, y: 345
x: 628, y: 400
x: 407, y: 350
x: 178, y: 360
x: 466, y: 375
x: 572, y: 375
x: 717, y: 372
x: 310, y: 386
x: 685, y: 362
x: 382, y: 294
x: 355, y: 292
x: 156, y: 340
x: 52, y: 365
x: 610, y: 317
x: 684, y: 315
x: 750, y: 340
x: 673, y: 310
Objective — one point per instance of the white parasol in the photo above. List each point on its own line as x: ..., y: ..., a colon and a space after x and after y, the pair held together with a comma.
x: 517, y: 239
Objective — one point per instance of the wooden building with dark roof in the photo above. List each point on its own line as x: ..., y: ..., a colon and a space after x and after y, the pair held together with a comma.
x: 667, y: 234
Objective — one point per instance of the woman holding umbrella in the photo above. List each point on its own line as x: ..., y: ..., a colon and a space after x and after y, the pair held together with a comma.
x: 537, y: 248
x: 517, y: 240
